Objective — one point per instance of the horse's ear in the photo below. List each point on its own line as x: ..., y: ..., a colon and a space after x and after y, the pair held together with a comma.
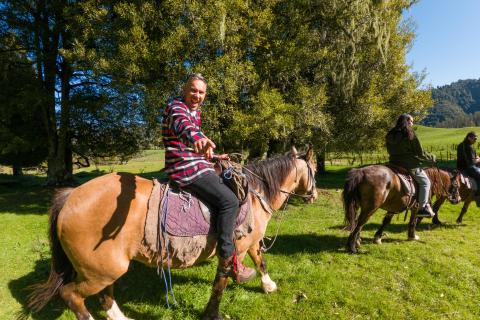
x: 309, y: 153
x: 293, y: 151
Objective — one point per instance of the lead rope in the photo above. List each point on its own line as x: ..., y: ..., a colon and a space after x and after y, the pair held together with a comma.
x: 163, y: 275
x: 280, y: 218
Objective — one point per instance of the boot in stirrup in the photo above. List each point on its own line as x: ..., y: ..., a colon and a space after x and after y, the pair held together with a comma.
x: 233, y: 268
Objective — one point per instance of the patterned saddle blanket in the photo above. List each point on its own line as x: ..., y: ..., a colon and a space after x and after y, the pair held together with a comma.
x: 182, y: 214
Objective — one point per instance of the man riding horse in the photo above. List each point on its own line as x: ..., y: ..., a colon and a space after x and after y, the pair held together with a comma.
x: 187, y: 151
x: 467, y: 161
x: 405, y: 151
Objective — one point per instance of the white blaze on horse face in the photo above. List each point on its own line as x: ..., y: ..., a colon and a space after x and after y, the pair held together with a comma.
x: 268, y: 285
x: 114, y: 313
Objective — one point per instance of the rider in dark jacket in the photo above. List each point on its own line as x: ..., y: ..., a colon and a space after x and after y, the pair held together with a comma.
x: 404, y: 150
x: 467, y: 160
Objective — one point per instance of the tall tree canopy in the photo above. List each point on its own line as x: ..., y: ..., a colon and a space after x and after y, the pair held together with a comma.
x: 279, y: 71
x: 22, y: 135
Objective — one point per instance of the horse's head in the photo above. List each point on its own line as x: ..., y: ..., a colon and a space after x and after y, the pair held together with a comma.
x: 306, y: 169
x: 454, y: 189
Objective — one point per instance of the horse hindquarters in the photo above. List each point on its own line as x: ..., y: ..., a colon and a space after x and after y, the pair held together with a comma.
x: 62, y: 271
x: 99, y: 227
x: 363, y: 189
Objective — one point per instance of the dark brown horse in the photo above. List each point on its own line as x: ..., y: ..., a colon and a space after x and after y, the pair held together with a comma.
x: 377, y: 187
x: 97, y: 228
x: 467, y: 195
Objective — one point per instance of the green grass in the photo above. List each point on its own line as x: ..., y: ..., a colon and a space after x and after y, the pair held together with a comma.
x: 442, y: 136
x: 434, y: 278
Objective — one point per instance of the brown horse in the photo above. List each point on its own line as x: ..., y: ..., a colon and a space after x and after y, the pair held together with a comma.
x: 97, y: 228
x: 467, y: 195
x: 378, y: 187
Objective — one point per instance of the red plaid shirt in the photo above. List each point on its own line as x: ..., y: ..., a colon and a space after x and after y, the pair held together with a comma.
x: 180, y: 129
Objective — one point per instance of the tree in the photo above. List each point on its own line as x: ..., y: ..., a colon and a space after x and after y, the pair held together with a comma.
x: 22, y: 136
x: 47, y: 30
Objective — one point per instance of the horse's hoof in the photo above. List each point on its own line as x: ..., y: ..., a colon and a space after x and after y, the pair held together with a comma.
x: 377, y: 240
x: 352, y: 250
x: 268, y: 285
x: 415, y: 238
x: 212, y: 317
x: 459, y: 221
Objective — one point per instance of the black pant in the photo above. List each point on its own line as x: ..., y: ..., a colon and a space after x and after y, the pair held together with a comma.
x: 211, y: 190
x: 474, y: 172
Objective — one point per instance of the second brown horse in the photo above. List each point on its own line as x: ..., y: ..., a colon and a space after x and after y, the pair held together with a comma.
x: 377, y: 187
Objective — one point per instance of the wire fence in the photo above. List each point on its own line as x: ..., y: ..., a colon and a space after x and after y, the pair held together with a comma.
x: 443, y: 153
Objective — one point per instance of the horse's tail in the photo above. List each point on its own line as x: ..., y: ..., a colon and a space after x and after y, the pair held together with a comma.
x: 351, y: 197
x: 61, y: 271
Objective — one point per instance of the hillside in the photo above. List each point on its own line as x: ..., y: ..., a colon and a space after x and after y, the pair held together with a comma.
x: 456, y: 105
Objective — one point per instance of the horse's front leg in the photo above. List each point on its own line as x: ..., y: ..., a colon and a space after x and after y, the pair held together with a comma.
x: 411, y: 226
x: 386, y: 221
x: 212, y: 311
x: 436, y: 208
x: 256, y: 254
x: 464, y: 208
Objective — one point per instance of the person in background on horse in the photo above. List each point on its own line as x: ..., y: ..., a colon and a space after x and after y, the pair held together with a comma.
x: 467, y: 161
x: 405, y: 151
x: 187, y: 154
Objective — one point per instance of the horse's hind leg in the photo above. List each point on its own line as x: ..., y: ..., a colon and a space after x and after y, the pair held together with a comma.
x: 354, y: 239
x: 110, y: 306
x: 386, y: 221
x: 256, y: 254
x: 74, y: 294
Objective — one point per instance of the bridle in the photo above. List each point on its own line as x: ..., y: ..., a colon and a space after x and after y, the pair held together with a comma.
x: 311, y: 182
x: 450, y: 192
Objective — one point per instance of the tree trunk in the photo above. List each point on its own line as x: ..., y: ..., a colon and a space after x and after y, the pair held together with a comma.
x: 17, y: 170
x: 321, y: 157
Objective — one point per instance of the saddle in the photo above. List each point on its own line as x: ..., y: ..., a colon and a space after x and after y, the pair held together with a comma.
x: 409, y: 185
x: 176, y: 212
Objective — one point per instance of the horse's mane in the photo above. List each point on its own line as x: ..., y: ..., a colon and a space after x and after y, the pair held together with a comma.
x: 270, y: 174
x: 439, y: 178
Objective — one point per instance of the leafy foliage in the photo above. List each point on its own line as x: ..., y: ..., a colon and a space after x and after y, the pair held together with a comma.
x: 280, y: 72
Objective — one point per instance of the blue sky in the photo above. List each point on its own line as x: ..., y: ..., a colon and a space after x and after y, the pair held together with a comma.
x: 447, y: 45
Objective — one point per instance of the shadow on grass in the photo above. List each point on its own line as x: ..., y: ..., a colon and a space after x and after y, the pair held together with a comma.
x: 140, y: 285
x: 308, y: 243
x: 395, y: 228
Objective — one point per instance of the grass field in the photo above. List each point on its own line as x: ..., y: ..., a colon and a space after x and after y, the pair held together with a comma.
x: 434, y: 278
